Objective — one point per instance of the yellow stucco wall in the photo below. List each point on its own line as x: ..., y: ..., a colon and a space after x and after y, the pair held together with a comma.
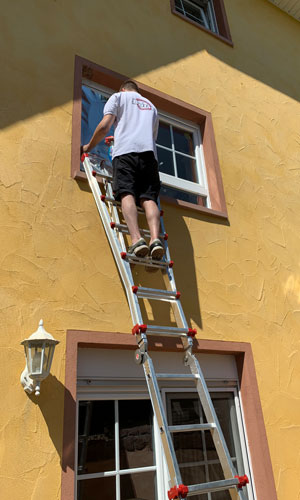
x: 240, y: 282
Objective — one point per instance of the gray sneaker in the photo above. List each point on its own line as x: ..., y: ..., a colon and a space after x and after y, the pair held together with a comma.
x: 139, y: 249
x: 157, y: 250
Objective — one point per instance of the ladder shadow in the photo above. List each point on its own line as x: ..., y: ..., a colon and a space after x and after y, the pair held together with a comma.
x: 187, y: 263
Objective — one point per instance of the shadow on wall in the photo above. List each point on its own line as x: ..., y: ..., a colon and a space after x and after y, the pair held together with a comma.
x: 39, y: 67
x: 185, y: 258
x: 51, y: 403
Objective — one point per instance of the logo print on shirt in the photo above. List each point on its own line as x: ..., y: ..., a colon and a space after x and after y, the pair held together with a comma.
x: 141, y: 104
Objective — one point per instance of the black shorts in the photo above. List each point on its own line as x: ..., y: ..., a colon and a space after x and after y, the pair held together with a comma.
x: 136, y: 174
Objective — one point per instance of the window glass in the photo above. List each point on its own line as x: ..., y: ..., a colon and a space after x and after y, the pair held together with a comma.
x: 195, y: 451
x: 183, y: 195
x: 183, y: 141
x: 88, y: 489
x: 138, y: 486
x: 164, y: 135
x: 186, y: 168
x: 96, y: 439
x: 115, y: 443
x: 165, y: 161
x: 93, y: 102
x: 136, y: 448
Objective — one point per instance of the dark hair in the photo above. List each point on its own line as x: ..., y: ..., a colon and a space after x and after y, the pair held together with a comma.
x: 129, y: 85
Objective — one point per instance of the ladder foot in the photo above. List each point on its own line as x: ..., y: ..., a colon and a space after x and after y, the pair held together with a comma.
x: 180, y: 491
x: 243, y: 480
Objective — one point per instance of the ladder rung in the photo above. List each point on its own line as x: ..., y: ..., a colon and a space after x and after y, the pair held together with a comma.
x: 155, y: 294
x: 177, y: 376
x: 192, y: 427
x: 225, y: 484
x: 167, y: 331
x: 103, y: 175
x: 146, y: 261
x: 145, y: 232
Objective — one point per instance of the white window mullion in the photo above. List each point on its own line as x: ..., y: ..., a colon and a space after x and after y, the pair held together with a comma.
x: 117, y: 451
x: 212, y: 17
x: 204, y: 446
x: 203, y: 16
x: 173, y: 149
x: 182, y: 6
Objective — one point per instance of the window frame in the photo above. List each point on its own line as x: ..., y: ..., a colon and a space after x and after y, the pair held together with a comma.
x: 159, y: 466
x: 263, y: 476
x: 118, y: 471
x: 166, y: 104
x: 201, y: 187
x: 223, y: 33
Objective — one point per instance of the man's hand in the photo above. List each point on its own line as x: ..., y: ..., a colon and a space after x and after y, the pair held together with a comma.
x: 84, y: 149
x: 100, y: 132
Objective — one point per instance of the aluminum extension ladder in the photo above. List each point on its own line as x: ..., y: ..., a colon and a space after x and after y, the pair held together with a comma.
x: 108, y: 209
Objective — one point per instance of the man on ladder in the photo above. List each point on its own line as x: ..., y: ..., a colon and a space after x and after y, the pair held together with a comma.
x: 135, y: 168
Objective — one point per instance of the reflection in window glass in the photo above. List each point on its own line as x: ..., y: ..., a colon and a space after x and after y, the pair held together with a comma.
x: 165, y: 161
x: 115, y: 443
x: 183, y: 195
x: 183, y: 141
x: 136, y: 448
x: 93, y: 103
x: 93, y: 489
x: 138, y: 486
x: 96, y: 439
x: 176, y: 158
x: 186, y: 168
x: 164, y: 135
x: 197, y: 456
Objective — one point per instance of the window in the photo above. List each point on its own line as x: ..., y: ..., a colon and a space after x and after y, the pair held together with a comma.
x: 181, y: 161
x: 99, y: 368
x: 116, y: 453
x: 120, y: 454
x: 179, y: 149
x: 208, y: 15
x: 200, y: 11
x: 195, y: 451
x: 187, y: 155
x: 118, y: 441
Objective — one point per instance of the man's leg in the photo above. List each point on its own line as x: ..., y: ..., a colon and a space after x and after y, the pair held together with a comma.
x: 138, y: 245
x: 130, y: 214
x: 153, y: 218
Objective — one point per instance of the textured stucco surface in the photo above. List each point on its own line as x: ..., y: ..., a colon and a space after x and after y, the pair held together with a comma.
x: 239, y: 281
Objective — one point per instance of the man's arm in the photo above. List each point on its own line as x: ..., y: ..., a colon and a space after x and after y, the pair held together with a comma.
x: 100, y: 132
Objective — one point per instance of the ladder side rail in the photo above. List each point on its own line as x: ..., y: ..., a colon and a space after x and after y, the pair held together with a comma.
x: 123, y: 267
x: 115, y: 213
x: 211, y: 416
x: 160, y: 415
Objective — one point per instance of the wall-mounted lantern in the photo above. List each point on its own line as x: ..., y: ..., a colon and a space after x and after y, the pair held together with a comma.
x: 39, y: 350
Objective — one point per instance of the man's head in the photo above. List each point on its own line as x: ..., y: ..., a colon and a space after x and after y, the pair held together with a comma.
x: 129, y: 86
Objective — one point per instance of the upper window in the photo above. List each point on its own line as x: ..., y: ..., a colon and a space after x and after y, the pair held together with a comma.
x: 179, y: 149
x: 181, y: 161
x: 200, y: 11
x: 209, y: 15
x: 187, y: 156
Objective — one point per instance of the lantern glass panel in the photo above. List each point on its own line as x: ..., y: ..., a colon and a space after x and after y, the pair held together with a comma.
x: 36, y: 355
x: 48, y: 357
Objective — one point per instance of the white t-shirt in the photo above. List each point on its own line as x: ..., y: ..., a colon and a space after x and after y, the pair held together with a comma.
x: 136, y: 124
